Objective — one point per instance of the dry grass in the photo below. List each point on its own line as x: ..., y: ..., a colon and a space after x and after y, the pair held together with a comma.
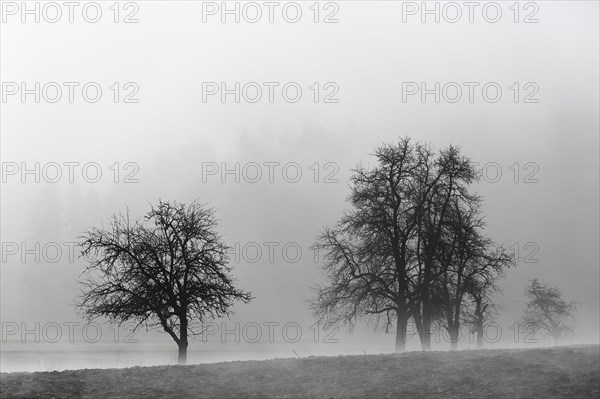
x: 527, y: 373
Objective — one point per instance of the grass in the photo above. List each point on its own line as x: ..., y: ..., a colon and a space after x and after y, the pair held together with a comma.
x: 508, y: 373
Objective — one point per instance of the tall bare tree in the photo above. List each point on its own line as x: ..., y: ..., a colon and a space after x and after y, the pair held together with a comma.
x: 370, y: 253
x: 547, y: 310
x: 385, y: 258
x: 167, y: 271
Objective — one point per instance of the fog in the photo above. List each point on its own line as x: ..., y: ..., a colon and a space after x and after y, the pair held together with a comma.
x: 540, y: 159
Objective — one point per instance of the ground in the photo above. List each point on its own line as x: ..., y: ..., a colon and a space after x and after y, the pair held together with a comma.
x: 516, y: 373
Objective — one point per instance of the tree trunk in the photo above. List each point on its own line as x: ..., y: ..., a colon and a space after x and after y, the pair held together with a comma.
x: 453, y: 332
x: 426, y: 338
x: 182, y: 358
x: 423, y: 329
x: 479, y: 323
x: 479, y: 333
x: 183, y: 341
x: 426, y: 331
x: 401, y: 327
x: 427, y: 309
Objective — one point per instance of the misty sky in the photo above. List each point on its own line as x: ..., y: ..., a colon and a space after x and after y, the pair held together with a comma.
x: 173, y: 136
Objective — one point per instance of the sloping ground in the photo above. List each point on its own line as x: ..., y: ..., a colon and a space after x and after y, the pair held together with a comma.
x: 532, y: 373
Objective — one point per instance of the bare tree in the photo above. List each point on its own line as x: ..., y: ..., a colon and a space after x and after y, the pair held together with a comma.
x: 385, y: 259
x: 167, y: 271
x: 547, y: 310
x: 370, y: 253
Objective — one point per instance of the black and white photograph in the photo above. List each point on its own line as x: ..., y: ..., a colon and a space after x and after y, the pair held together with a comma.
x: 300, y: 199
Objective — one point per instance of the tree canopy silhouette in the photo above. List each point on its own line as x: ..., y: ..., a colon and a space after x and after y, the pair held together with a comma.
x: 169, y: 271
x: 412, y: 245
x: 547, y: 310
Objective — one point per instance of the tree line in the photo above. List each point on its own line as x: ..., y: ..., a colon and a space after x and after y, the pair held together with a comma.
x: 411, y: 248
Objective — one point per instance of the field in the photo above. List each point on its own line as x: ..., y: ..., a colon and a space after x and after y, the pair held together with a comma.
x: 516, y: 373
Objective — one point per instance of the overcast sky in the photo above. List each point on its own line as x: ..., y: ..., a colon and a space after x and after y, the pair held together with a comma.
x: 173, y: 141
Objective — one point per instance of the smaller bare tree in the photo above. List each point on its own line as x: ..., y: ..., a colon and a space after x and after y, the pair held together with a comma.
x: 167, y: 271
x: 547, y: 310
